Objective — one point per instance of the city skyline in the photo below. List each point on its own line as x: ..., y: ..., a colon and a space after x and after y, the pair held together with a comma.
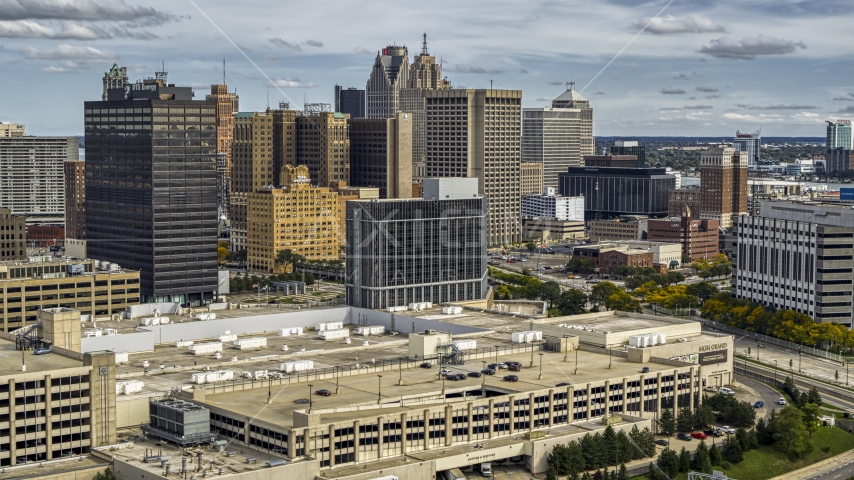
x: 703, y: 68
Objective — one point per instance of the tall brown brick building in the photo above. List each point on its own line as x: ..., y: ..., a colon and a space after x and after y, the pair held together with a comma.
x: 723, y: 184
x: 75, y: 199
x: 381, y: 154
x: 225, y: 110
x: 682, y: 197
x: 323, y: 146
x: 13, y: 236
x: 698, y: 236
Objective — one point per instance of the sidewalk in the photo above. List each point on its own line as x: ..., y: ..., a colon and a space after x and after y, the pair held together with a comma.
x: 819, y: 468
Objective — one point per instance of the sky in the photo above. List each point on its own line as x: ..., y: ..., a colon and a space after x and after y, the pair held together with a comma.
x: 648, y: 67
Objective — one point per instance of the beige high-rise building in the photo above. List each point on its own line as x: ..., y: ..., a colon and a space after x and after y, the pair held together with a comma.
x: 13, y: 235
x: 225, y: 103
x: 723, y: 184
x: 263, y: 143
x: 559, y: 136
x: 12, y: 129
x: 424, y: 74
x: 476, y: 134
x: 532, y: 178
x: 323, y: 146
x: 298, y: 217
x: 389, y: 76
x: 381, y: 154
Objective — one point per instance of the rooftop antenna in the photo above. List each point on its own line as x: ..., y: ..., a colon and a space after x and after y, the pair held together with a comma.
x: 268, y: 96
x: 424, y: 45
x: 490, y: 84
x: 570, y: 85
x: 223, y: 71
x: 161, y: 75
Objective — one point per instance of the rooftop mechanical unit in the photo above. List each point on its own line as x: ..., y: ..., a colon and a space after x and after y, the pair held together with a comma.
x: 180, y: 422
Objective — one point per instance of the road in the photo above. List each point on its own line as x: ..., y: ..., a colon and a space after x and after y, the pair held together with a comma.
x: 815, y: 366
x: 766, y: 394
x: 841, y: 472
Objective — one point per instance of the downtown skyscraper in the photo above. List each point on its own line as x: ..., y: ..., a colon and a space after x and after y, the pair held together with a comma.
x: 151, y: 188
x: 559, y: 136
x: 475, y: 133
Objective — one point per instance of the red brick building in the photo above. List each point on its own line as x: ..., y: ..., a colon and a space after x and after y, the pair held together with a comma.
x: 609, y: 257
x: 46, y: 235
x: 698, y: 236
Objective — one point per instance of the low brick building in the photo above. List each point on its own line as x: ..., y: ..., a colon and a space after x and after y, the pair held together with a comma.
x: 609, y: 257
x: 698, y: 236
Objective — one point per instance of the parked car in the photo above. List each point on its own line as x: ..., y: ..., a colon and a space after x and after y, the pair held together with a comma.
x: 727, y: 391
x: 511, y: 378
x: 760, y: 345
x: 514, y: 368
x: 513, y: 363
x: 645, y: 370
x: 445, y: 373
x: 713, y: 432
x: 493, y: 366
x: 474, y: 374
x: 323, y: 393
x: 759, y: 404
x: 727, y: 429
x: 502, y: 365
x: 711, y: 389
x: 782, y: 401
x: 683, y: 436
x: 699, y: 435
x: 41, y: 351
x: 562, y: 384
x: 488, y: 371
x: 662, y: 442
x: 426, y: 365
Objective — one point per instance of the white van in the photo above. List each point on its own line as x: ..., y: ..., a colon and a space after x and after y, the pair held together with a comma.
x: 726, y: 391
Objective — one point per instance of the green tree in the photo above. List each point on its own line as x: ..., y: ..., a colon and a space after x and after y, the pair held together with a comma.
x: 623, y: 302
x: 609, y: 441
x: 287, y: 258
x: 715, y: 457
x: 551, y: 474
x: 107, y: 474
x: 222, y: 253
x: 669, y: 462
x: 701, y: 461
x: 684, y: 460
x: 764, y: 434
x: 623, y: 473
x: 666, y: 422
x: 239, y: 256
x: 703, y: 416
x: 572, y: 302
x: 531, y: 246
x: 702, y: 290
x: 791, y: 433
x: 600, y: 293
x: 732, y: 450
x: 814, y: 397
x: 550, y: 293
x: 812, y: 417
x: 685, y: 420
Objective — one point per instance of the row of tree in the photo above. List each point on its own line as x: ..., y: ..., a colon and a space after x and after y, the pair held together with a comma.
x: 784, y: 324
x: 596, y: 451
x: 670, y: 463
x: 718, y: 266
x: 250, y: 283
x: 717, y: 408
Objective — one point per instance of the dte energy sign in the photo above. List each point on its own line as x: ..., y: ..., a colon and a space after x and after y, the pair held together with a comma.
x: 846, y: 193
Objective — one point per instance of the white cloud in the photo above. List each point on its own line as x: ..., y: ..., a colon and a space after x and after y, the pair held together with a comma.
x: 706, y: 89
x: 672, y: 91
x: 313, y: 43
x: 668, y: 24
x: 750, y: 48
x: 88, y: 10
x: 362, y: 51
x: 777, y: 106
x: 292, y: 82
x: 68, y: 52
x: 698, y: 107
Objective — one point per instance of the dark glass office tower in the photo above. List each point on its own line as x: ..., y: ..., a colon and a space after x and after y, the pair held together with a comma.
x: 630, y: 148
x: 614, y: 192
x: 151, y: 189
x: 350, y: 100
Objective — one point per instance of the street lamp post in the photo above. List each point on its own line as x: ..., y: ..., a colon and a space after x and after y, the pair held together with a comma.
x: 309, y: 398
x: 337, y: 376
x: 379, y: 389
x: 799, y: 359
x: 609, y: 357
x: 775, y: 372
x: 576, y: 360
x: 532, y: 355
x: 541, y: 367
x: 400, y: 370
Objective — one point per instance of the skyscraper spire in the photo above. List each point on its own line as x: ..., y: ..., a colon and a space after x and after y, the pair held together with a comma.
x: 223, y: 71
x: 424, y: 45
